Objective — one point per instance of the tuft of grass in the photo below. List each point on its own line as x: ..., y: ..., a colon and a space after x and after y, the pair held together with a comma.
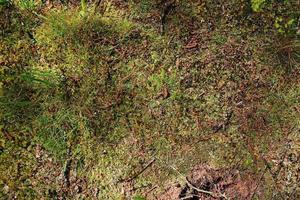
x: 59, y: 131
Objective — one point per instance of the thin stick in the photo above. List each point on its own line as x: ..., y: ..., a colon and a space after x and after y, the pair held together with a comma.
x: 187, y: 197
x: 140, y: 172
x: 197, y: 189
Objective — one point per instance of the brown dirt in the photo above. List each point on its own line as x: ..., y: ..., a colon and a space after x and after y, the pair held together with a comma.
x: 207, y: 183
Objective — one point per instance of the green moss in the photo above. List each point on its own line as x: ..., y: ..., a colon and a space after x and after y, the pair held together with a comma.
x: 110, y: 93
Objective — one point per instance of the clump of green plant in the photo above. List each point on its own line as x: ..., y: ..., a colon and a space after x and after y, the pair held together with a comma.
x: 285, y: 26
x: 27, y: 4
x: 257, y: 5
x: 283, y: 14
x: 4, y: 2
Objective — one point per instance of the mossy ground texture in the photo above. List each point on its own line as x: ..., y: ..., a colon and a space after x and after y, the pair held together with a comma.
x: 119, y: 99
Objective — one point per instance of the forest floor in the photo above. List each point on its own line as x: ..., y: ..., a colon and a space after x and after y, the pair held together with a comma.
x: 126, y: 100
